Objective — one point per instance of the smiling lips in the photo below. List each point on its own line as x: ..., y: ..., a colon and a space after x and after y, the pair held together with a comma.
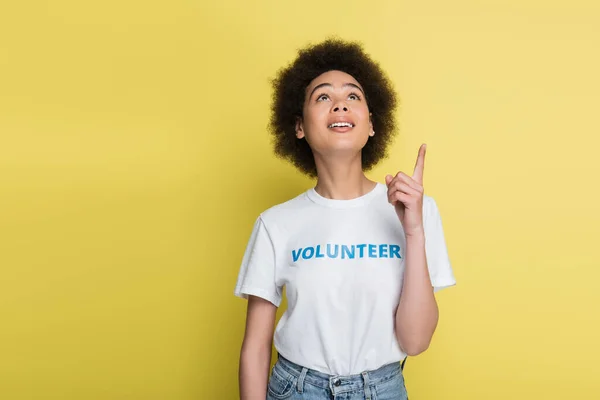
x: 341, y: 126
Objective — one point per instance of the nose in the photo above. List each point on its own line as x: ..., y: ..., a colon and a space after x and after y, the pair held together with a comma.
x: 342, y: 107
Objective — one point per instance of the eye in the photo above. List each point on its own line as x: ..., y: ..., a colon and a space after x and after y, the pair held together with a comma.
x: 354, y: 96
x: 321, y: 96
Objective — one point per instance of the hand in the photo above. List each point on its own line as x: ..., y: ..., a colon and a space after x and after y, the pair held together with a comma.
x: 406, y: 194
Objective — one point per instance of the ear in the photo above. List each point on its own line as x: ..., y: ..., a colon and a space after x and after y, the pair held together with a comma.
x: 371, y: 132
x: 299, y: 128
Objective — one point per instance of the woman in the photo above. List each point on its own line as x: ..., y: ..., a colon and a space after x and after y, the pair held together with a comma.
x: 360, y: 260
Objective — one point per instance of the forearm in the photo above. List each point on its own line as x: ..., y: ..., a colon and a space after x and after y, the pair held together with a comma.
x: 417, y: 312
x: 254, y: 372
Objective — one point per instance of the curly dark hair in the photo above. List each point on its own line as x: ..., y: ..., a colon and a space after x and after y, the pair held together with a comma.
x: 288, y: 97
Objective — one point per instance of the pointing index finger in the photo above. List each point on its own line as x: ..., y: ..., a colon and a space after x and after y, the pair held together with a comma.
x: 420, y: 165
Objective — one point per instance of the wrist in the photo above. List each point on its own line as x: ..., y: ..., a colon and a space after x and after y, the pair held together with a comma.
x: 416, y: 234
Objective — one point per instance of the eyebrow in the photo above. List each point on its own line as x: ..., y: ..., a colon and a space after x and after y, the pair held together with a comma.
x: 329, y: 84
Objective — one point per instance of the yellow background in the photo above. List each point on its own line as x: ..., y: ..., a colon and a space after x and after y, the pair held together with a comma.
x: 134, y: 160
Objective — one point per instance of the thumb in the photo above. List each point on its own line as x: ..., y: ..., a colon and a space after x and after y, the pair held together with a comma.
x: 388, y: 179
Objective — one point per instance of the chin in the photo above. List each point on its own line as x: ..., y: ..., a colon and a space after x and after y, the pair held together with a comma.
x: 343, y: 148
x: 339, y: 143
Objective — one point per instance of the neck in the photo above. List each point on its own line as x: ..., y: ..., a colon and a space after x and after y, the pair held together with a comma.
x: 341, y: 178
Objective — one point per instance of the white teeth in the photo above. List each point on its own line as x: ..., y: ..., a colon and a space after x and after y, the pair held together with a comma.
x: 338, y: 124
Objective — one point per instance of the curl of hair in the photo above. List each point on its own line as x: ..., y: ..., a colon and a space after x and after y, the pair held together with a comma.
x: 288, y: 97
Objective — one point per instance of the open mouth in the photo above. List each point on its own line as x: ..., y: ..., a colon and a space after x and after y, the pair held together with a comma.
x: 341, y: 127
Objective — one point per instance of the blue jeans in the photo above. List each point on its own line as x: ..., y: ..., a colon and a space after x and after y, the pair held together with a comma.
x: 291, y: 381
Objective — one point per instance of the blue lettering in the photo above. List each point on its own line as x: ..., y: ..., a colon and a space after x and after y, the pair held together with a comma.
x: 296, y: 254
x: 346, y: 251
x: 372, y: 251
x: 394, y: 249
x: 361, y: 247
x: 334, y: 255
x: 319, y: 254
x: 383, y: 248
x: 307, y: 250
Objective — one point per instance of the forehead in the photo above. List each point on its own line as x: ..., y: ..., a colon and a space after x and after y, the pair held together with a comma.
x: 336, y: 78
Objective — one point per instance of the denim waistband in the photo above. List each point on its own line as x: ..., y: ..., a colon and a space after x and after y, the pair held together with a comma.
x: 339, y: 383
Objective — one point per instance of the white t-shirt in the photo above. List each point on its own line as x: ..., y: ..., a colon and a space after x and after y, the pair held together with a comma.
x: 342, y: 262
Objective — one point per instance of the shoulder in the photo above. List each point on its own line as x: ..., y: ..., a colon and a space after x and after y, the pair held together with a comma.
x: 430, y: 208
x: 283, y: 212
x: 428, y: 203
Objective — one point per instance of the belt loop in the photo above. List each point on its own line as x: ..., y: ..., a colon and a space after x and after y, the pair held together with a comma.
x: 365, y: 376
x: 301, y: 379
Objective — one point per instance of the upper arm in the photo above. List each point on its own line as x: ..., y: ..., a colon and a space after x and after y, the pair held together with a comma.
x: 257, y: 275
x: 260, y: 322
x: 438, y: 261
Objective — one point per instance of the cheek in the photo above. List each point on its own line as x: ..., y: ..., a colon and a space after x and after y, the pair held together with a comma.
x: 362, y: 109
x: 315, y: 117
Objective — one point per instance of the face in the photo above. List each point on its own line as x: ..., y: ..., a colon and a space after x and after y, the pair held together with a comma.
x: 336, y: 115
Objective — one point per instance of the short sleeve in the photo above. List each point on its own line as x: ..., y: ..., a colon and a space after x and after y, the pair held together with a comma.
x: 438, y: 262
x: 257, y: 272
